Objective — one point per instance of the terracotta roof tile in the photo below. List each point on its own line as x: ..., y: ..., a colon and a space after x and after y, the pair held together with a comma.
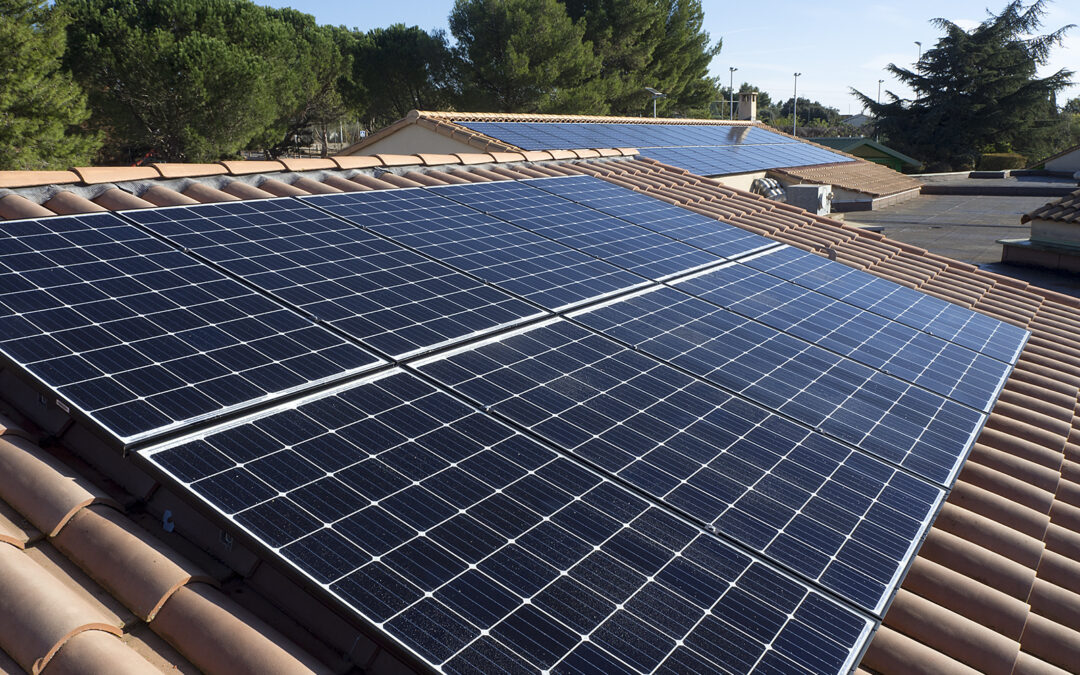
x: 314, y: 187
x: 92, y: 175
x: 115, y: 199
x: 474, y: 158
x: 894, y: 652
x: 107, y: 546
x: 13, y: 207
x: 246, y: 167
x: 429, y: 159
x: 280, y: 189
x: 203, y: 193
x: 857, y: 176
x: 161, y: 196
x: 185, y: 170
x: 94, y: 651
x: 307, y: 163
x: 67, y: 203
x: 356, y: 161
x: 1064, y: 210
x: 18, y: 179
x: 37, y: 615
x: 218, y: 636
x: 343, y: 184
x: 242, y: 190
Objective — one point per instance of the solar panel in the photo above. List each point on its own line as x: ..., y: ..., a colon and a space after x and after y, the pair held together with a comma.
x: 390, y: 298
x: 141, y: 338
x: 704, y: 149
x: 479, y: 550
x: 610, y: 239
x: 937, y: 317
x: 901, y: 351
x: 570, y: 135
x: 678, y: 223
x: 842, y: 518
x: 550, y: 274
x: 908, y: 426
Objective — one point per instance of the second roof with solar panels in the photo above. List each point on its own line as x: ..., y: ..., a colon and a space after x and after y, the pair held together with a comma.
x: 619, y: 428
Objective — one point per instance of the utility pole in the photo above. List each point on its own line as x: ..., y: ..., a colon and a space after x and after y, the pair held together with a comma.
x: 877, y: 134
x: 920, y: 50
x: 731, y: 92
x: 795, y: 108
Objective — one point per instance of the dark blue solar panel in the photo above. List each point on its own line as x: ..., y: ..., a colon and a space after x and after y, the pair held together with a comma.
x: 870, y: 339
x: 143, y: 338
x: 546, y: 272
x: 714, y: 161
x: 389, y: 297
x: 479, y: 550
x: 676, y: 222
x: 842, y: 518
x: 704, y: 149
x: 937, y: 317
x: 881, y: 414
x: 610, y: 239
x: 569, y: 135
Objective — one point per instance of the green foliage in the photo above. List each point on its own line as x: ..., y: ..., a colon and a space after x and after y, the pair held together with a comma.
x: 40, y: 105
x: 193, y: 80
x: 977, y: 88
x: 523, y: 56
x: 648, y: 43
x: 404, y: 69
x: 999, y: 161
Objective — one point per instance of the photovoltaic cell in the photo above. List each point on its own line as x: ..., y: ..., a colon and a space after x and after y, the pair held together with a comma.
x: 678, y: 223
x: 478, y: 549
x: 143, y: 338
x: 704, y: 149
x: 842, y: 518
x: 546, y: 272
x: 389, y: 297
x: 904, y: 352
x: 910, y: 427
x: 645, y: 252
x: 935, y: 316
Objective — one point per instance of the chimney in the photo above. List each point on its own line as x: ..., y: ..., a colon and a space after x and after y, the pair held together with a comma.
x: 748, y: 105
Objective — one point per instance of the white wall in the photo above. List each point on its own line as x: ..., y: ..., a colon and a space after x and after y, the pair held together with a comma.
x: 1069, y: 162
x: 414, y: 139
x: 740, y: 181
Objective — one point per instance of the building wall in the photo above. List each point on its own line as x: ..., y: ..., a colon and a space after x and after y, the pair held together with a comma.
x: 1055, y: 232
x: 413, y: 139
x: 1069, y: 162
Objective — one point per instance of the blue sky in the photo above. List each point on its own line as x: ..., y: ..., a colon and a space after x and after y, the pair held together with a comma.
x: 835, y: 44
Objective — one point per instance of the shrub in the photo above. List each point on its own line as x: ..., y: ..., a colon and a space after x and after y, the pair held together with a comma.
x: 999, y: 161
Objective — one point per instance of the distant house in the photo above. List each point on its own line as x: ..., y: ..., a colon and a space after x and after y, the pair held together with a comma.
x: 1067, y: 161
x: 736, y: 152
x: 870, y: 150
x: 1055, y: 236
x: 858, y: 121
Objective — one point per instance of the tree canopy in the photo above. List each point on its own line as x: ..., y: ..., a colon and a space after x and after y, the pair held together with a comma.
x: 977, y: 91
x: 41, y: 107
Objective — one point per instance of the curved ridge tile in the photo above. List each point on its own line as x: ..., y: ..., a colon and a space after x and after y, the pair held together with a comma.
x: 37, y: 613
x: 135, y: 568
x: 93, y: 652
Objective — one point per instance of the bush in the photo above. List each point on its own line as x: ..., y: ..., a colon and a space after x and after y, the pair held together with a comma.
x: 999, y: 161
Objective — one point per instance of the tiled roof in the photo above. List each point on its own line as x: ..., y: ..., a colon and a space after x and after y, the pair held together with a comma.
x: 858, y: 176
x: 851, y: 143
x: 1064, y: 210
x: 83, y: 588
x: 1067, y: 151
x: 996, y: 585
x: 863, y: 176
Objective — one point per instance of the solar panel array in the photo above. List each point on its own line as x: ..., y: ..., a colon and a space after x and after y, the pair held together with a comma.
x: 618, y: 436
x: 704, y: 149
x: 142, y: 338
x: 388, y: 297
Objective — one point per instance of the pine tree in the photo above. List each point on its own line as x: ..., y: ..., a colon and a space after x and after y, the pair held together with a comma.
x: 41, y: 107
x: 976, y: 91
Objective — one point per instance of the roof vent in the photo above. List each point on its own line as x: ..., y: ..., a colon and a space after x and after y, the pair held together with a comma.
x: 769, y: 188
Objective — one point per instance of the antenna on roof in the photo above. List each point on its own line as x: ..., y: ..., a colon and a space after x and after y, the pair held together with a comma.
x: 655, y: 95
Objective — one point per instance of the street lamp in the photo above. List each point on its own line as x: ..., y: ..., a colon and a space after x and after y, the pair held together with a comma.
x: 920, y: 50
x: 655, y: 95
x: 879, y: 91
x: 795, y: 108
x: 731, y: 92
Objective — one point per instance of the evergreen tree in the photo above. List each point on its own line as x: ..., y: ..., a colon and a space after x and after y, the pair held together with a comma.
x: 405, y: 69
x: 41, y: 106
x: 976, y: 91
x: 195, y: 80
x: 524, y: 56
x: 648, y: 43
